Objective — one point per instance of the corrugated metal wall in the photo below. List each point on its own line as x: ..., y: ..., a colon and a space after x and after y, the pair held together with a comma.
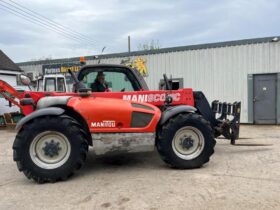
x: 221, y: 73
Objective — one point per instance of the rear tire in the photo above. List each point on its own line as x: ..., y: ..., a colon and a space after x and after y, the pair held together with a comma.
x: 186, y: 141
x: 50, y: 148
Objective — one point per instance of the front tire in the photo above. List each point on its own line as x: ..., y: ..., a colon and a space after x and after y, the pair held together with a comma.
x: 50, y: 148
x: 186, y: 141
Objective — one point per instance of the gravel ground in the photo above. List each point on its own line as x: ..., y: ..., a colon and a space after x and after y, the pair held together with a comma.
x: 246, y: 176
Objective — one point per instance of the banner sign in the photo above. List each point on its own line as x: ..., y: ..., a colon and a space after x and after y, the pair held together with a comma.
x: 60, y: 68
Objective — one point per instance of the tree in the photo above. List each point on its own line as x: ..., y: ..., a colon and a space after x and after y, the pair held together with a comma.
x: 152, y: 45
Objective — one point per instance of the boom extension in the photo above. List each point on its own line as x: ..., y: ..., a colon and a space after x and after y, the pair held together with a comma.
x: 10, y: 93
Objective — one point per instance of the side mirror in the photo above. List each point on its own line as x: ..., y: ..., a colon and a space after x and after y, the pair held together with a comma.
x: 25, y: 80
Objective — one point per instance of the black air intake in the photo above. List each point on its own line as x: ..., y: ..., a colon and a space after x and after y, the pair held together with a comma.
x: 140, y: 119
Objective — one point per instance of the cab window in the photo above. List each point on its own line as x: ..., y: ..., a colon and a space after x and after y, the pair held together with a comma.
x: 61, y: 85
x: 49, y: 84
x: 114, y: 81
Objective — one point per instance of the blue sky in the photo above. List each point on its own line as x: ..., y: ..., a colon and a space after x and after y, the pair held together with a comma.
x: 109, y: 22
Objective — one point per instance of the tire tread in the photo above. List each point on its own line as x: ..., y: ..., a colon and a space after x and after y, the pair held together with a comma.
x: 172, y: 123
x: 65, y: 121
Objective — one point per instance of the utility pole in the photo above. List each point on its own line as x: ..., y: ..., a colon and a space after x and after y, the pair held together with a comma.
x: 128, y: 42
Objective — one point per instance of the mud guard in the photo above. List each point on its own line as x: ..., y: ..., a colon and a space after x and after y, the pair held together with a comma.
x: 52, y: 100
x: 39, y: 113
x: 172, y: 111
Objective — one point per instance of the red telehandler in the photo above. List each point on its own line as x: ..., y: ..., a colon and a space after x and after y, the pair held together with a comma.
x: 53, y: 137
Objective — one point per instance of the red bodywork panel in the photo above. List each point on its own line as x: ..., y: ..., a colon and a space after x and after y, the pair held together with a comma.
x: 111, y: 115
x: 156, y: 97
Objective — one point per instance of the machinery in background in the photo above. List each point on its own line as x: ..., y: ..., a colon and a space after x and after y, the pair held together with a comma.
x: 52, y: 82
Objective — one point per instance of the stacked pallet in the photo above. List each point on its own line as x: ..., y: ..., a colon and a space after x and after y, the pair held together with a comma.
x: 10, y: 119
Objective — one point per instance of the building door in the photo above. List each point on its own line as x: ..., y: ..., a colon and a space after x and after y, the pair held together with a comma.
x: 265, y: 99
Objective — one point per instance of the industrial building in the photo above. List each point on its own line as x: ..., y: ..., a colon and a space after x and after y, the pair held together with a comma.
x: 243, y: 70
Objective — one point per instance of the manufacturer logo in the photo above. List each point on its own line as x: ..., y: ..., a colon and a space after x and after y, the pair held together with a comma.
x: 151, y: 97
x: 104, y: 124
x: 138, y: 64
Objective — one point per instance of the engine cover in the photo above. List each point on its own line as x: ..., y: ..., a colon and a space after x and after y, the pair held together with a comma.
x: 104, y: 115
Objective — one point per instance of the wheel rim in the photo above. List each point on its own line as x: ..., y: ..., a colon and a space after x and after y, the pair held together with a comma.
x: 188, y: 143
x: 50, y: 150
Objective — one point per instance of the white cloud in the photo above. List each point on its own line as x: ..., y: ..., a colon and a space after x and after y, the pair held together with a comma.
x: 109, y: 22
